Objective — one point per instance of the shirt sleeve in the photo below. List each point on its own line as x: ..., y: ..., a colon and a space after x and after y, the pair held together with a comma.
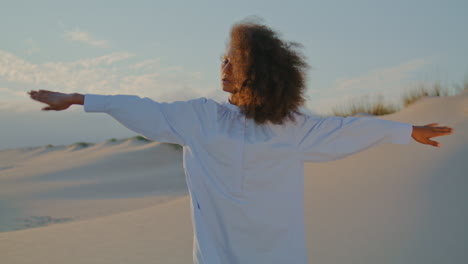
x: 175, y: 122
x: 334, y: 138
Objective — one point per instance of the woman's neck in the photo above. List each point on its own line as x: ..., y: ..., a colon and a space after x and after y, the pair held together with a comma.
x: 231, y: 100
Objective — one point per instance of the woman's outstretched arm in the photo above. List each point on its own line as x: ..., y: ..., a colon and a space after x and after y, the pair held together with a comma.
x: 56, y: 101
x: 334, y: 138
x: 177, y: 122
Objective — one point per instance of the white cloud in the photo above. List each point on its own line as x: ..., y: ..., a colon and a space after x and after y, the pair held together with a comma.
x: 72, y: 75
x: 78, y: 35
x: 146, y: 64
x: 103, y: 60
x: 102, y: 75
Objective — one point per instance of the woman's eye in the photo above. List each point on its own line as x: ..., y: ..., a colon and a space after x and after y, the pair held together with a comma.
x: 224, y: 61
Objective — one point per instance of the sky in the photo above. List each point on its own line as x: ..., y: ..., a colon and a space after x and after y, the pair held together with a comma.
x: 170, y: 50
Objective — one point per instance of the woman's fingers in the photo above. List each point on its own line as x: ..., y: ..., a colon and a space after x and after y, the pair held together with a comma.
x: 437, y: 128
x: 34, y: 94
x: 55, y: 100
x: 437, y: 131
x: 45, y: 91
x: 40, y: 92
x: 433, y: 143
x: 42, y: 96
x: 432, y: 125
x: 441, y: 131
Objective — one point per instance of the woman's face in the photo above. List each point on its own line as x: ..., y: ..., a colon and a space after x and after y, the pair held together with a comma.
x: 227, y: 79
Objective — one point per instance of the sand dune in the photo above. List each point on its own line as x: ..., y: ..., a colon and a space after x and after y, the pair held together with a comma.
x: 76, y: 183
x: 395, y: 204
x: 390, y: 204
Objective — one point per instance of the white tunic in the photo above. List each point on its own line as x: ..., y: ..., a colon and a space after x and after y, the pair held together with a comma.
x: 246, y: 180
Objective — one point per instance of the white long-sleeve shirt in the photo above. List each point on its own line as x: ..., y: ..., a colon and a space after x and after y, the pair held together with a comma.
x: 246, y: 180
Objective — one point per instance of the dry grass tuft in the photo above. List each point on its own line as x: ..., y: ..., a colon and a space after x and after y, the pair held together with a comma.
x: 377, y: 107
x: 141, y: 138
x: 82, y: 144
x: 422, y: 91
x: 460, y: 88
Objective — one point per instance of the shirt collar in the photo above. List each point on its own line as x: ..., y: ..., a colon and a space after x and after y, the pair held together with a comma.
x: 231, y: 106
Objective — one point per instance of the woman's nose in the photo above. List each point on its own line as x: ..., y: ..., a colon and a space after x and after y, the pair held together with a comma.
x: 226, y: 67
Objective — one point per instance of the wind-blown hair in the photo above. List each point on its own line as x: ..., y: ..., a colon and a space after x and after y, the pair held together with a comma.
x: 270, y: 73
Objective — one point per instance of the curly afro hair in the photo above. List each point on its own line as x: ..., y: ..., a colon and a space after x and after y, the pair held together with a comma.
x: 270, y: 73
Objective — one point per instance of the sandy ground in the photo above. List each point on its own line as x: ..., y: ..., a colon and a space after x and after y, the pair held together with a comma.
x: 390, y: 204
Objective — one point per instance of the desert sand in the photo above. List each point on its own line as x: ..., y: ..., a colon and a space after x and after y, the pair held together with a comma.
x: 126, y: 201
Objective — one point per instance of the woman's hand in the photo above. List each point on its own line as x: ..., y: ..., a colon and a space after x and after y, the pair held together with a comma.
x: 56, y: 101
x: 423, y: 134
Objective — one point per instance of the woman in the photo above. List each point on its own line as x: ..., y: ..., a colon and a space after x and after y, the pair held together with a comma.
x: 244, y: 158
